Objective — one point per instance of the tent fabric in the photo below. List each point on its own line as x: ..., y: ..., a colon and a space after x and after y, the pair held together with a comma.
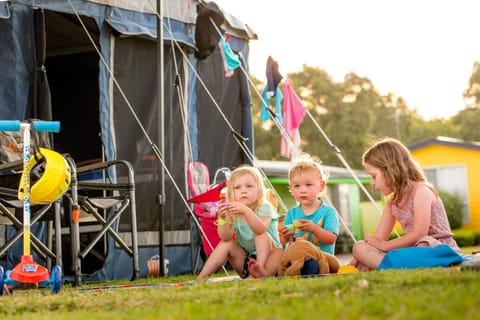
x: 137, y: 24
x: 101, y: 120
x: 144, y: 6
x: 181, y: 10
x: 18, y: 61
x: 4, y: 9
x: 229, y: 94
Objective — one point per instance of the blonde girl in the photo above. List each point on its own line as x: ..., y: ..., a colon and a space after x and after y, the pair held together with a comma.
x: 247, y: 227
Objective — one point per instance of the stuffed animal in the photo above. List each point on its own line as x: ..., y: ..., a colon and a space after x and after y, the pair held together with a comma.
x: 301, y: 250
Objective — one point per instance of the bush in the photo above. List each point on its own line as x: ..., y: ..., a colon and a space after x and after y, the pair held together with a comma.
x: 453, y: 206
x: 477, y: 237
x: 464, y: 237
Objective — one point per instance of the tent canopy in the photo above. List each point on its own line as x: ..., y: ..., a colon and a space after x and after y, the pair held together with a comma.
x: 92, y: 65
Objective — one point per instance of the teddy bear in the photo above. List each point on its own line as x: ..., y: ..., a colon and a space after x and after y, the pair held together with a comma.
x: 301, y: 250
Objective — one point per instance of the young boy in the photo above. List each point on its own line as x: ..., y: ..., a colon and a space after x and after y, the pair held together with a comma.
x: 310, y: 218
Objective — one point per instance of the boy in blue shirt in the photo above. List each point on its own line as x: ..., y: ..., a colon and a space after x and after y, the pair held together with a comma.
x: 310, y: 219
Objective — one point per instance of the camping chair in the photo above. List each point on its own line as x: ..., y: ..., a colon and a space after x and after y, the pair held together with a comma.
x: 97, y: 204
x: 11, y: 213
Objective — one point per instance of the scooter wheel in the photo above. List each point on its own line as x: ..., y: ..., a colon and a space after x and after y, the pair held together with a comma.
x: 1, y: 281
x: 56, y: 279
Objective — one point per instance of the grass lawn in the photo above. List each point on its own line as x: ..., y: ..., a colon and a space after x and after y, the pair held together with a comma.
x: 435, y: 293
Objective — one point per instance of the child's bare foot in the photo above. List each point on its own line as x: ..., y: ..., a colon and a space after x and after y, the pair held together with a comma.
x: 256, y: 270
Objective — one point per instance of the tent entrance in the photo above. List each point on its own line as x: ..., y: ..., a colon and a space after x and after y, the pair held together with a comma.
x: 72, y: 71
x: 73, y: 81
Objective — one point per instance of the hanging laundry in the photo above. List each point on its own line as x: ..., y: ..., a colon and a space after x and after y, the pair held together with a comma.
x: 228, y: 72
x: 264, y: 113
x: 293, y: 114
x: 231, y: 61
x: 273, y: 76
x: 290, y: 148
x: 208, y: 29
x: 293, y: 108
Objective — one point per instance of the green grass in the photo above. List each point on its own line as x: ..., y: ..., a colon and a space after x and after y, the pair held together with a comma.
x: 436, y: 293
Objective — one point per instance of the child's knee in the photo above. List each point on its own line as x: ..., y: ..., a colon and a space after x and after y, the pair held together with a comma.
x: 263, y: 238
x: 359, y: 247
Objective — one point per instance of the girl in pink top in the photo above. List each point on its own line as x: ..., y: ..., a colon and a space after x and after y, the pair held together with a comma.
x: 411, y: 201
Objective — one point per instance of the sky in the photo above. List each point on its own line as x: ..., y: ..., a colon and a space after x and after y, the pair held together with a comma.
x: 421, y: 50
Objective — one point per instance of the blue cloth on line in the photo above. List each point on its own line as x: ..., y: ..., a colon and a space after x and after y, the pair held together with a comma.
x: 421, y: 257
x: 233, y: 62
x: 264, y: 114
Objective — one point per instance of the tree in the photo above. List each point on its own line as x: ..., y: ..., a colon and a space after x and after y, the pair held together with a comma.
x: 471, y: 95
x: 467, y: 121
x: 345, y: 116
x: 422, y: 130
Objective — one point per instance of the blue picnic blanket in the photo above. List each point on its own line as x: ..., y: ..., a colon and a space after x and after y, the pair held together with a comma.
x: 421, y: 257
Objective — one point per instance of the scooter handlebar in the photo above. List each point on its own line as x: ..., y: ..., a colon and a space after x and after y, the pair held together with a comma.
x: 38, y: 125
x: 46, y: 126
x: 9, y: 125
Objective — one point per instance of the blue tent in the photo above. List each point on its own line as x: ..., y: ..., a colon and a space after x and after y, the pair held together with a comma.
x: 93, y: 66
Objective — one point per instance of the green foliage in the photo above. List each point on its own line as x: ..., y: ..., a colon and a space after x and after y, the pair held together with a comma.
x: 422, y: 130
x: 467, y: 120
x: 464, y: 237
x: 472, y: 93
x: 453, y: 206
x: 348, y: 114
x: 477, y: 237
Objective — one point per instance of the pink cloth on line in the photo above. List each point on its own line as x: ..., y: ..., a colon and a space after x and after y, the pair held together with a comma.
x: 293, y: 114
x: 293, y: 109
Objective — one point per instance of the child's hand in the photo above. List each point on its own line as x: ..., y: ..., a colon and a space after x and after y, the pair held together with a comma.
x: 222, y: 209
x: 377, y: 242
x: 237, y: 208
x: 286, y: 233
x: 307, y: 225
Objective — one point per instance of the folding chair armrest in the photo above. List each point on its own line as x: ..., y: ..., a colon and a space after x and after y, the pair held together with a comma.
x: 103, y: 165
x: 105, y: 185
x: 13, y: 165
x: 8, y: 192
x: 84, y: 185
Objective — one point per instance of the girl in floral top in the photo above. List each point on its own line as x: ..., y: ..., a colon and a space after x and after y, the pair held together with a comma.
x: 411, y: 201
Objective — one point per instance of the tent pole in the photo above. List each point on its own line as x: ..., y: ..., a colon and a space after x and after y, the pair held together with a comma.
x: 160, y: 95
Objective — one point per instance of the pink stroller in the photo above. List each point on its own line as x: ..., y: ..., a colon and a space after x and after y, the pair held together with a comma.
x: 206, y: 196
